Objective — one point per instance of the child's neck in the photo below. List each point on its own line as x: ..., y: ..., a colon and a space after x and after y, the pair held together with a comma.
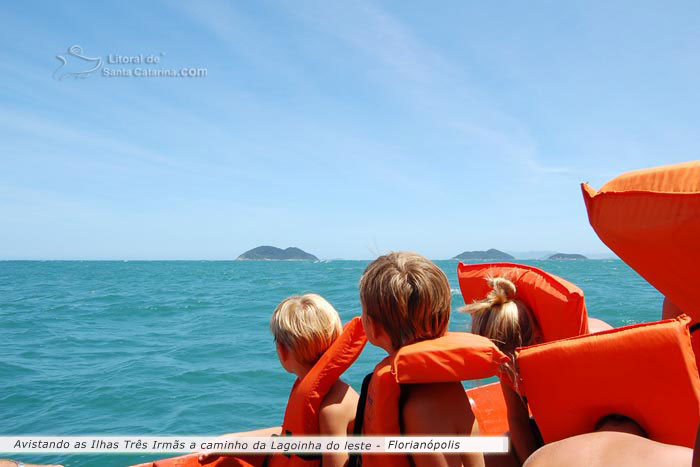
x: 301, y: 370
x: 383, y: 342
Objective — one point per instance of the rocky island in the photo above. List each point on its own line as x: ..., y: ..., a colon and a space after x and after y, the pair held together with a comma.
x: 566, y: 256
x: 488, y: 255
x: 271, y: 253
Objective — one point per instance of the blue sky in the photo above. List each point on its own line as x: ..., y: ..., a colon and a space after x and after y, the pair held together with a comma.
x: 344, y: 128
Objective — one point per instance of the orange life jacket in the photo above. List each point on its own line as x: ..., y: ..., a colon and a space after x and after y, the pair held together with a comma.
x: 646, y: 372
x: 558, y: 305
x: 301, y: 415
x: 456, y: 356
x: 651, y: 220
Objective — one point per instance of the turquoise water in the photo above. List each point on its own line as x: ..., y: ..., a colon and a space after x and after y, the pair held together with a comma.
x: 183, y: 347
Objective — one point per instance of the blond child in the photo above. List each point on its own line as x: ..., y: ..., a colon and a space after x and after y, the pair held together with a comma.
x: 304, y: 328
x: 510, y: 324
x: 406, y: 299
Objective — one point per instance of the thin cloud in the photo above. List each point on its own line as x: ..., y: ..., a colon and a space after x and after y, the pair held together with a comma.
x: 51, y: 131
x: 516, y: 145
x: 424, y: 78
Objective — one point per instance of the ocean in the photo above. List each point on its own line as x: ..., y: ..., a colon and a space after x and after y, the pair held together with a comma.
x: 183, y: 347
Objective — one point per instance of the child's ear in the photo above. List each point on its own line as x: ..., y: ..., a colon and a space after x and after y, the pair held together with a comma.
x: 369, y: 325
x: 378, y: 330
x: 372, y: 327
x: 376, y: 334
x: 282, y: 351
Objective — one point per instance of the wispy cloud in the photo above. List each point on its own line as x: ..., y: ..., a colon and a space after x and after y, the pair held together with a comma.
x: 242, y: 34
x: 385, y: 52
x: 422, y: 78
x: 51, y: 131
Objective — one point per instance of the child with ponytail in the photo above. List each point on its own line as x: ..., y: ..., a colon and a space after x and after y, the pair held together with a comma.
x: 509, y: 323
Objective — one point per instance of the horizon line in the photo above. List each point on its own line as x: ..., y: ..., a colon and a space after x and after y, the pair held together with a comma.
x: 275, y: 260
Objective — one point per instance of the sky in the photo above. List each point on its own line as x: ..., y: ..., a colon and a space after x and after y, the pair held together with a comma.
x: 347, y: 129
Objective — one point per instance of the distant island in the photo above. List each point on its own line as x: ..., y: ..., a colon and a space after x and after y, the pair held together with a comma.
x: 532, y: 254
x: 567, y: 256
x: 271, y: 253
x: 488, y: 255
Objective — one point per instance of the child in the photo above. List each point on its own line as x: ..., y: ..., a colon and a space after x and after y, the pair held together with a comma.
x: 307, y: 334
x: 406, y: 299
x: 509, y: 323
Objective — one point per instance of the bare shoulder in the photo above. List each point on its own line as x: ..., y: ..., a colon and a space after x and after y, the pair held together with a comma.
x: 605, y: 448
x: 340, y: 393
x: 440, y: 409
x: 337, y: 412
x: 437, y: 408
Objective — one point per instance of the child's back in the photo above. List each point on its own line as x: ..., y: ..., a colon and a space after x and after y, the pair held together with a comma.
x: 406, y: 299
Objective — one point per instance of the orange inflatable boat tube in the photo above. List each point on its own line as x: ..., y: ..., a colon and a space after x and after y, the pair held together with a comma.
x: 190, y: 460
x: 490, y: 411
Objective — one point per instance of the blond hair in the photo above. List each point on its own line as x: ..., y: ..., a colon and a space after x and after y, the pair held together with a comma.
x: 306, y: 325
x: 408, y: 295
x: 505, y: 320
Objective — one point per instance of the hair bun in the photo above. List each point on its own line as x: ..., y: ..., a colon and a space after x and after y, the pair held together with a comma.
x: 502, y: 290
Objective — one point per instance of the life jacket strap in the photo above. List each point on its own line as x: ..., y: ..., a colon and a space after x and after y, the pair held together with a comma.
x: 304, y: 457
x: 356, y: 459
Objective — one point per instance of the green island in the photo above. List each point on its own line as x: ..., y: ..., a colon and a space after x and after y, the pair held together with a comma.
x: 566, y: 256
x: 488, y: 255
x: 271, y: 253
